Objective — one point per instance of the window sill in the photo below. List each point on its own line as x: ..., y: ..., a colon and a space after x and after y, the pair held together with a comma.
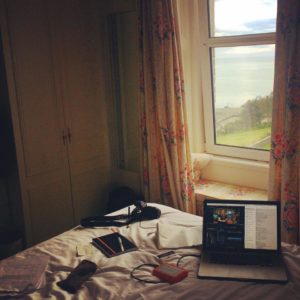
x: 239, y: 172
x: 208, y: 189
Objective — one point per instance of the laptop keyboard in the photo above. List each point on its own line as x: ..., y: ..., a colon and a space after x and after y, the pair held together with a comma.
x: 238, y: 259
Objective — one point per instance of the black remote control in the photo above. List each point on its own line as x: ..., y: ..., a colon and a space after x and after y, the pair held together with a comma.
x: 78, y: 276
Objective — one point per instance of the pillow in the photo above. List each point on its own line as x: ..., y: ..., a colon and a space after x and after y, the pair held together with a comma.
x: 172, y: 235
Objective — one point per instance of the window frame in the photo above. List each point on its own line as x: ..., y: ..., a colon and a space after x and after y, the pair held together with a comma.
x: 207, y: 43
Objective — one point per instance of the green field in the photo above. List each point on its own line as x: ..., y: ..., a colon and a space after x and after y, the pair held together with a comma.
x: 245, y: 138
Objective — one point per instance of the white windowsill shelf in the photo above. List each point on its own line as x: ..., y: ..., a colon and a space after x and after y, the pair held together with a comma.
x: 209, y: 189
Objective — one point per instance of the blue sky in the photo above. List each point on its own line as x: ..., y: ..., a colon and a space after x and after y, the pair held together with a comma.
x: 234, y: 17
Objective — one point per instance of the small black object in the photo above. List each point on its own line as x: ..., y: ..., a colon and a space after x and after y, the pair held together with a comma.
x: 78, y: 276
x: 141, y: 212
x: 113, y: 244
x: 147, y: 213
x: 165, y: 254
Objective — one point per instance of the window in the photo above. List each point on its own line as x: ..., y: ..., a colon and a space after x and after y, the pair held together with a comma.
x: 238, y: 50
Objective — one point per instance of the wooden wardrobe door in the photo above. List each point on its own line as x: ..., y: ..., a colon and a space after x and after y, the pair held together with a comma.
x: 38, y: 120
x: 85, y: 107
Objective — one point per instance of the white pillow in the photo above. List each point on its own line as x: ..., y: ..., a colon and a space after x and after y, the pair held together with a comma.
x: 176, y: 234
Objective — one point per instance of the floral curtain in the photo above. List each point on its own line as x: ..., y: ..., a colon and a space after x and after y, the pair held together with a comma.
x: 167, y: 174
x: 285, y: 151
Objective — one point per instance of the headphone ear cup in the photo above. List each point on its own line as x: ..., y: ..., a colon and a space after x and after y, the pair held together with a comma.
x: 150, y: 213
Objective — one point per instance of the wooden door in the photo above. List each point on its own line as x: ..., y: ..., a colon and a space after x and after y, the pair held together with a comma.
x: 79, y: 28
x: 38, y: 119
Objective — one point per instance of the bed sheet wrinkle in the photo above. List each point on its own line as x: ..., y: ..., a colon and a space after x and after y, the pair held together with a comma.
x: 139, y: 233
x: 291, y: 254
x: 103, y: 288
x: 118, y: 289
x: 112, y: 280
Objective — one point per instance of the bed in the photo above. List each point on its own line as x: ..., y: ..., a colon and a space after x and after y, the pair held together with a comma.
x: 112, y: 279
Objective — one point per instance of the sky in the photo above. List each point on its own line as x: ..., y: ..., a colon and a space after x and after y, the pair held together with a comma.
x: 234, y: 17
x: 243, y: 73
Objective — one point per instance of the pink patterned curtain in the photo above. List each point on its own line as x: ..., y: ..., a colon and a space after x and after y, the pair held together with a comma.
x: 166, y: 154
x: 285, y: 154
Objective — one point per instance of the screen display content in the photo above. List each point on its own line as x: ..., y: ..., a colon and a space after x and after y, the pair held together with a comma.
x: 225, y: 227
x: 239, y: 227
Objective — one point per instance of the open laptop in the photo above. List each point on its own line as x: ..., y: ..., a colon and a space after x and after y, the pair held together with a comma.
x: 241, y: 241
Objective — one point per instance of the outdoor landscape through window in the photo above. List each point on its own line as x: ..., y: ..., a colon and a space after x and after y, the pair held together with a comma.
x: 243, y: 85
x: 242, y: 71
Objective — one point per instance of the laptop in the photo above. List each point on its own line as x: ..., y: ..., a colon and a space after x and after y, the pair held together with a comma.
x: 241, y: 241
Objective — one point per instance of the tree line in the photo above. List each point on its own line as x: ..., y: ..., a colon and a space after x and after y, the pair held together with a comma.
x: 254, y: 114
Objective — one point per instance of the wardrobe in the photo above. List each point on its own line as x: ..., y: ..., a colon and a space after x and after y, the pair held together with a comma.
x: 55, y: 62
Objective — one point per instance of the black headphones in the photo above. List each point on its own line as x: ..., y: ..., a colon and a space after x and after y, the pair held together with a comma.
x: 142, y: 212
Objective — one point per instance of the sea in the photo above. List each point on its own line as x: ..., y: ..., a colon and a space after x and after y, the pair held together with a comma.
x: 242, y: 77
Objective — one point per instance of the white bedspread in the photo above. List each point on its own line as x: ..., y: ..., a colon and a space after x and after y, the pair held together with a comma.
x: 112, y: 279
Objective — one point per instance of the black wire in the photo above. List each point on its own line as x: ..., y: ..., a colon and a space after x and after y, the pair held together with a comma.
x: 154, y: 265
x: 143, y: 227
x: 144, y: 280
x: 185, y: 255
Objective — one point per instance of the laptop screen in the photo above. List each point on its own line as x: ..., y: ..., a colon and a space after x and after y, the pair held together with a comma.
x: 241, y: 225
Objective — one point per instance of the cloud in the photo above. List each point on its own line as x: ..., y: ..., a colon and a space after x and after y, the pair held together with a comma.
x: 267, y: 49
x: 256, y: 26
x: 234, y: 17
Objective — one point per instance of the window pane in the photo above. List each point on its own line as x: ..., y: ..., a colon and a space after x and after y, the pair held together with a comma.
x: 236, y: 17
x: 243, y: 92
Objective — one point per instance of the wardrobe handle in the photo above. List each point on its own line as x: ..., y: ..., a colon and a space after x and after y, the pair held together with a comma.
x: 69, y: 135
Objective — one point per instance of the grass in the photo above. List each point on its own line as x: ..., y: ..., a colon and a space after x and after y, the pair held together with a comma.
x: 245, y: 138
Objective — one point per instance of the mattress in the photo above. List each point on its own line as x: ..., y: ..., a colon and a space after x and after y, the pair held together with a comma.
x: 112, y: 279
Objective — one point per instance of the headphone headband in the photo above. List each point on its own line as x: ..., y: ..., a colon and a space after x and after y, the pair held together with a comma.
x: 141, y: 212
